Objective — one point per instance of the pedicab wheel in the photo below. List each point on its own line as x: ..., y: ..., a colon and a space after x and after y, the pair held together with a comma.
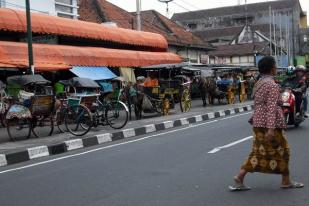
x: 42, y: 126
x: 2, y: 115
x: 18, y: 129
x: 185, y: 101
x: 117, y: 115
x: 59, y: 121
x: 78, y: 120
x: 2, y: 120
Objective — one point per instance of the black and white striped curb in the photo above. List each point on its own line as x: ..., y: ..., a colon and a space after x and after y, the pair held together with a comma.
x: 43, y: 151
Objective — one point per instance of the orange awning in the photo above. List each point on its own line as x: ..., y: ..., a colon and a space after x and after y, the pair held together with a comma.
x: 57, y: 57
x: 15, y: 21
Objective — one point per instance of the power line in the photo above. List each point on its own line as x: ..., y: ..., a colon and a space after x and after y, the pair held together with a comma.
x: 21, y: 7
x: 181, y: 6
x: 189, y: 4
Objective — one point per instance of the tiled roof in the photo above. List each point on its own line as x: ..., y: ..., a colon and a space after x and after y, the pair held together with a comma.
x: 235, y: 10
x: 174, y: 33
x: 240, y: 49
x: 103, y: 11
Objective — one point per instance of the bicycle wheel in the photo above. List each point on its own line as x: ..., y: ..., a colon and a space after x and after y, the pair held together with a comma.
x: 18, y: 129
x: 117, y: 115
x: 42, y: 126
x: 78, y: 120
x: 59, y: 120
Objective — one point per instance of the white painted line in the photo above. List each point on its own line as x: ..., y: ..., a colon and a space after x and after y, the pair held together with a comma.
x: 217, y: 149
x: 128, y: 133
x: 103, y: 138
x: 110, y: 146
x: 168, y: 124
x: 211, y: 115
x: 74, y: 144
x: 222, y: 113
x: 150, y: 128
x: 199, y: 118
x: 3, y: 161
x: 238, y: 115
x: 184, y: 121
x: 36, y: 152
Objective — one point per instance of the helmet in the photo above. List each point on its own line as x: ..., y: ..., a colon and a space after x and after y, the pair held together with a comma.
x: 300, y: 68
x: 290, y: 70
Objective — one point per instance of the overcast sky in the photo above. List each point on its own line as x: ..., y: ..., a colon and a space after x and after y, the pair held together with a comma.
x: 187, y: 5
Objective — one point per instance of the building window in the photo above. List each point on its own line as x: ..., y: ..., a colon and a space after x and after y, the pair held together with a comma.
x: 235, y: 60
x: 65, y: 16
x: 244, y: 59
x: 192, y: 26
x: 70, y: 2
x: 65, y: 9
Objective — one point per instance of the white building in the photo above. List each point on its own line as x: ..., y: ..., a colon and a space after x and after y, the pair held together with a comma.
x: 66, y: 8
x: 61, y: 8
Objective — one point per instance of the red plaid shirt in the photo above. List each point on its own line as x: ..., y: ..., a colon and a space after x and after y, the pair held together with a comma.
x: 267, y: 106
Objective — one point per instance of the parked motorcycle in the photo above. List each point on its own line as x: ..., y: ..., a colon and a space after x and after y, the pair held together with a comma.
x: 289, y: 108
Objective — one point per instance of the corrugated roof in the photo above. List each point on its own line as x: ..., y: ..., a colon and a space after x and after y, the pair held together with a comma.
x: 15, y: 21
x: 57, y: 57
x: 230, y: 33
x: 240, y: 49
x: 235, y: 10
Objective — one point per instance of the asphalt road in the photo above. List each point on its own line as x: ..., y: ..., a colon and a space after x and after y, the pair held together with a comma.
x: 173, y: 169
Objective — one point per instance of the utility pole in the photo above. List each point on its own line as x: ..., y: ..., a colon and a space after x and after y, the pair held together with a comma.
x: 29, y: 37
x: 270, y: 31
x: 275, y: 40
x: 167, y: 9
x: 138, y: 15
x: 281, y: 34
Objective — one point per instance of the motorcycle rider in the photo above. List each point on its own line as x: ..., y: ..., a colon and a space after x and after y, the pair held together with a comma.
x: 297, y: 82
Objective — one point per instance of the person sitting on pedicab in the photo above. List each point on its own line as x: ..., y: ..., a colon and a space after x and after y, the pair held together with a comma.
x: 151, y: 81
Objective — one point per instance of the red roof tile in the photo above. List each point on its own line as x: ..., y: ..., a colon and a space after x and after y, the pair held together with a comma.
x: 103, y: 11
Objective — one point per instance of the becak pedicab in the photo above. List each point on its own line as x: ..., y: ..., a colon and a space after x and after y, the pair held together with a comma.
x: 33, y: 107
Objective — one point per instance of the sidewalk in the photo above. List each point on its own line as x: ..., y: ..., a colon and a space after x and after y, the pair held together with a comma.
x: 14, y: 152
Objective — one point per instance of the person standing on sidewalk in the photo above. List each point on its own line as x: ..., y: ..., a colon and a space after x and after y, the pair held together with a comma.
x: 270, y: 151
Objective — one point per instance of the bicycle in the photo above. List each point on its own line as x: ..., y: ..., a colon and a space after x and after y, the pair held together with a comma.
x: 81, y: 117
